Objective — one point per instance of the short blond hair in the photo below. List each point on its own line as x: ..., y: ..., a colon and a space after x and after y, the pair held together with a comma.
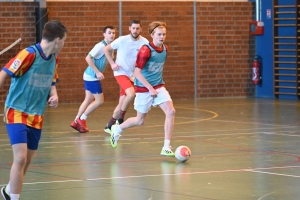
x: 156, y: 24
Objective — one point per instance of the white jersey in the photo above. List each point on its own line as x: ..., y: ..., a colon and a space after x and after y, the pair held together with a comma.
x: 127, y: 50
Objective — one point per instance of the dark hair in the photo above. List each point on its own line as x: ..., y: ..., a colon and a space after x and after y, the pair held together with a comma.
x: 135, y: 21
x: 107, y: 27
x: 53, y: 29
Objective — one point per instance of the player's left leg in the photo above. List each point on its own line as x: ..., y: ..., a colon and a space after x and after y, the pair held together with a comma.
x: 116, y: 114
x: 24, y: 140
x: 99, y: 99
x: 89, y: 97
x: 164, y: 101
x: 17, y: 168
x: 93, y: 99
x: 169, y: 111
x: 79, y: 123
x: 127, y: 87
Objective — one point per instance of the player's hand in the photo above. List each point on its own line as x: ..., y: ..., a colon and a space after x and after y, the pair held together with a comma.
x: 53, y: 101
x: 100, y: 76
x: 153, y: 93
x: 115, y: 67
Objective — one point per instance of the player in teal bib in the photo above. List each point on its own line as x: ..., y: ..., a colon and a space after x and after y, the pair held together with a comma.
x: 33, y: 73
x: 150, y: 87
x: 29, y: 93
x: 92, y: 76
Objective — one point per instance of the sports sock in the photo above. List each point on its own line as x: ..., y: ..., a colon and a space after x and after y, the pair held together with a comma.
x: 14, y: 196
x: 7, y: 188
x: 122, y: 114
x: 118, y: 130
x: 167, y: 144
x: 83, y: 117
x: 111, y: 122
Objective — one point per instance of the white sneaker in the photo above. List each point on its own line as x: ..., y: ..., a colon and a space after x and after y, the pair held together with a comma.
x: 167, y: 152
x: 114, y: 136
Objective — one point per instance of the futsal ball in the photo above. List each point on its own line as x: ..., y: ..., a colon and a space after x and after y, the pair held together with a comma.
x: 182, y: 153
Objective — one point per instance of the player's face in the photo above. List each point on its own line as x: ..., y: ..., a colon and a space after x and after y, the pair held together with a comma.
x: 159, y: 36
x: 109, y: 35
x: 135, y: 30
x: 59, y: 43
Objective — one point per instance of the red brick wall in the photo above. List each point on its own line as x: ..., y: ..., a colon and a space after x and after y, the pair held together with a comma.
x: 224, y: 47
x: 85, y: 21
x: 17, y: 20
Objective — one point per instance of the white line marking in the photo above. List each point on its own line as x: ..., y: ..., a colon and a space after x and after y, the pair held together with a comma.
x: 158, y: 175
x: 148, y: 138
x: 265, y: 195
x: 274, y: 173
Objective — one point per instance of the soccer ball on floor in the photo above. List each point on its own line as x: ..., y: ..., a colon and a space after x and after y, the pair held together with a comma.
x: 182, y: 153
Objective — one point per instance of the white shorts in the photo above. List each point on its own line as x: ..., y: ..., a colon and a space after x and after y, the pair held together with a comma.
x: 143, y: 101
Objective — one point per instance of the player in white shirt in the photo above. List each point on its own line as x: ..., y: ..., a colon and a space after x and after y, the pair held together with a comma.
x: 92, y: 76
x: 127, y: 48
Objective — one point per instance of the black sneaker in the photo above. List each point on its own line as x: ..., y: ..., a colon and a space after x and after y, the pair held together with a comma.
x: 120, y: 121
x: 4, y: 194
x: 107, y: 129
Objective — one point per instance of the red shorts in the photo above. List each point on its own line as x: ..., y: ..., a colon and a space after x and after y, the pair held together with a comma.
x: 124, y: 83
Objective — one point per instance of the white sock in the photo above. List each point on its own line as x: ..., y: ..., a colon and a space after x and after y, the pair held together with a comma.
x: 14, y: 196
x: 83, y: 117
x: 118, y: 130
x: 167, y: 144
x: 7, y: 188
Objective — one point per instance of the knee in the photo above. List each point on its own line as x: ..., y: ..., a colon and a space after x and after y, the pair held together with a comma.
x: 99, y: 103
x: 131, y: 95
x: 20, y: 160
x: 140, y: 122
x: 172, y: 112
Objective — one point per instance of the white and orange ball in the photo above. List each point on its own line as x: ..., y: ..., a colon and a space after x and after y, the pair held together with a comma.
x: 183, y: 153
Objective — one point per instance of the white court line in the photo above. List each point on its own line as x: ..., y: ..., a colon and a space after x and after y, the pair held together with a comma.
x: 266, y: 195
x: 274, y: 174
x: 179, y: 136
x: 281, y: 134
x: 151, y: 138
x: 159, y: 175
x: 133, y: 139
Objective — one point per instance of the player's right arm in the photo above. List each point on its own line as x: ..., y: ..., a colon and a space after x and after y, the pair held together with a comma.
x: 142, y: 57
x: 3, y: 76
x: 18, y: 65
x: 108, y: 53
x: 90, y: 62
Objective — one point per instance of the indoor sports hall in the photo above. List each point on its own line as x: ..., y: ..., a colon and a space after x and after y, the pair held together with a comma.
x: 242, y: 127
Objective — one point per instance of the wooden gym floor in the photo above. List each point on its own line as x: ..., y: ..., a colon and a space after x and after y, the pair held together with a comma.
x: 242, y: 149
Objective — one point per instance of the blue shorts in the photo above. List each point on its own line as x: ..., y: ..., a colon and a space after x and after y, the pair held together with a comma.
x: 93, y: 86
x: 21, y: 133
